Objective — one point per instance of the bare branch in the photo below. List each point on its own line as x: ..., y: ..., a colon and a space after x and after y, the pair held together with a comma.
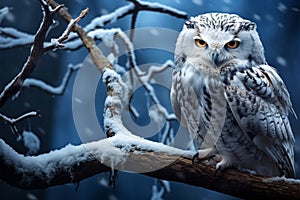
x: 38, y: 172
x: 13, y: 121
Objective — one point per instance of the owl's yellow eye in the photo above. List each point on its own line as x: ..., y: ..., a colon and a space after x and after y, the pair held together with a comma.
x: 233, y: 44
x: 200, y: 43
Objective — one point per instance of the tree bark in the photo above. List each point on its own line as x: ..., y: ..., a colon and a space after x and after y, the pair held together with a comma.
x: 25, y: 172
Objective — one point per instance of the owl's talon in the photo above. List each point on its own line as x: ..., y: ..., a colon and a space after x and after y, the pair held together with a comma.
x: 223, y: 164
x: 194, y: 157
x: 218, y: 170
x: 204, y: 154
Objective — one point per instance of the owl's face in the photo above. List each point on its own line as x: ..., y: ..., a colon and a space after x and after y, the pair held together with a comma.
x: 214, y: 39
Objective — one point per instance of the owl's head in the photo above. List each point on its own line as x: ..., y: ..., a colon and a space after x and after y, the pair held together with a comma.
x: 215, y: 38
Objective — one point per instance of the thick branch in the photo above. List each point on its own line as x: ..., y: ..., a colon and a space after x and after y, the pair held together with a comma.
x: 139, y: 156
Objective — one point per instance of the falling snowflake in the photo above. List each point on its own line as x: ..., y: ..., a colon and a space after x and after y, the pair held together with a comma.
x: 281, y: 7
x: 198, y: 2
x: 281, y: 61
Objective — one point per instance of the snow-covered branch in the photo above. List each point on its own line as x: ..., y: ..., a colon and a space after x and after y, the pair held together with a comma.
x: 58, y: 90
x: 58, y: 42
x: 129, y: 153
x: 131, y: 8
x: 121, y: 150
x: 11, y: 37
x: 38, y: 49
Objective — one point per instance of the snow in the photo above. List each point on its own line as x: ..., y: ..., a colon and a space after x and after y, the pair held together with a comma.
x: 163, y: 7
x: 65, y: 158
x: 111, y: 17
x: 106, y: 35
x: 227, y: 1
x: 257, y: 17
x: 112, y: 152
x: 130, y: 142
x: 198, y: 2
x: 31, y: 142
x: 157, y: 194
x: 3, y: 12
x: 31, y: 196
x: 295, y: 9
x: 287, y: 180
x: 281, y: 61
x: 156, y: 69
x: 32, y: 82
x: 19, y: 38
x: 281, y: 7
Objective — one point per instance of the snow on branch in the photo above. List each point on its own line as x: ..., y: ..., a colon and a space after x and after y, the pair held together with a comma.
x: 38, y: 49
x: 59, y: 90
x: 58, y: 42
x: 132, y: 8
x: 36, y: 52
x: 11, y: 37
x: 153, y: 70
x: 72, y: 164
x: 124, y: 151
x: 3, y: 12
x: 135, y: 6
x: 13, y: 121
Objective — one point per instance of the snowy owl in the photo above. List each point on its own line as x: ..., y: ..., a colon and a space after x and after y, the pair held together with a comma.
x: 231, y: 101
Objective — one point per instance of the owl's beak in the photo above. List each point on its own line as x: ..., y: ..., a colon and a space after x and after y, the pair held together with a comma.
x: 216, y: 58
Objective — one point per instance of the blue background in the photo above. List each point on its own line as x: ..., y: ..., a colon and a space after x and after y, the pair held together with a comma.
x: 278, y: 23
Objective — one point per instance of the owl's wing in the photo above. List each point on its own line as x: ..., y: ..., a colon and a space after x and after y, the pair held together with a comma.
x: 174, y: 99
x: 260, y: 104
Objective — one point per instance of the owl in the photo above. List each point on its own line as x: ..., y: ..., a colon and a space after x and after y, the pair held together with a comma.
x: 230, y: 100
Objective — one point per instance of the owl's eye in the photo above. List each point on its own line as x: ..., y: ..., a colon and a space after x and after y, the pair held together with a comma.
x: 233, y: 44
x: 200, y: 43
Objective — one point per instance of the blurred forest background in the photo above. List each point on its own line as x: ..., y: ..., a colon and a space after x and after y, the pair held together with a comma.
x: 278, y: 23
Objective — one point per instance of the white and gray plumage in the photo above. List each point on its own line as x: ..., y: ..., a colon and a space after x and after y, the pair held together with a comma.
x: 229, y: 98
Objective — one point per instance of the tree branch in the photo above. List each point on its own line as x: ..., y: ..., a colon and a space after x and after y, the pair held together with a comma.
x: 58, y: 90
x: 36, y: 53
x: 13, y: 121
x: 141, y: 156
x: 124, y: 151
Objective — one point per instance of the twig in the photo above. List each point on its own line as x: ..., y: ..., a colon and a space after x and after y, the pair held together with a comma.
x: 153, y: 70
x: 13, y: 121
x: 58, y: 90
x: 97, y: 56
x: 66, y: 33
x: 36, y: 53
x: 11, y: 37
x: 135, y: 7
